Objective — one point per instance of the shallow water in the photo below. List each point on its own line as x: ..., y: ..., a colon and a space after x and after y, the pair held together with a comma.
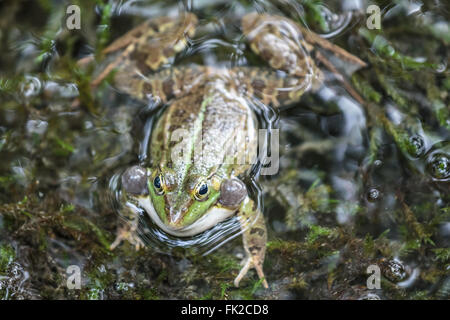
x: 363, y: 174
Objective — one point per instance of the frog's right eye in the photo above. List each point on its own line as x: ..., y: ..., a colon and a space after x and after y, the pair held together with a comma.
x: 158, y: 183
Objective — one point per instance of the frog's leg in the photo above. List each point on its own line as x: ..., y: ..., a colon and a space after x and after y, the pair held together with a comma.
x: 138, y: 54
x: 254, y: 238
x: 289, y: 48
x: 272, y: 89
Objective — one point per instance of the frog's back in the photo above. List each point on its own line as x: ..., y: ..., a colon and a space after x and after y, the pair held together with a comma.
x: 210, y: 129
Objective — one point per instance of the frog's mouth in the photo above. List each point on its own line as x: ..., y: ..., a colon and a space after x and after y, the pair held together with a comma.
x: 212, y: 217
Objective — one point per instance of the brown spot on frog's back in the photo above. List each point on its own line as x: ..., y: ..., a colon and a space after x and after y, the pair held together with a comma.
x: 174, y: 127
x: 259, y: 231
x: 147, y: 88
x: 168, y: 52
x: 169, y: 164
x: 258, y: 87
x: 153, y: 25
x: 254, y: 249
x: 179, y: 113
x: 168, y: 88
x: 266, y: 54
x: 258, y: 84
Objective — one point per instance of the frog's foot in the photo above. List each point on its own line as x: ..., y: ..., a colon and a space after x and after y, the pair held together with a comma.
x: 280, y: 42
x: 128, y: 233
x: 288, y: 47
x: 251, y: 262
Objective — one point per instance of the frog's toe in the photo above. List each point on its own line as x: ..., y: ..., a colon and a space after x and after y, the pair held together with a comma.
x: 127, y: 233
x: 134, y: 180
x: 260, y: 272
x: 118, y: 240
x: 247, y: 264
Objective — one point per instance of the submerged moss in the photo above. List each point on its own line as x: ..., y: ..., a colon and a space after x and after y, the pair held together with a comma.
x: 7, y: 256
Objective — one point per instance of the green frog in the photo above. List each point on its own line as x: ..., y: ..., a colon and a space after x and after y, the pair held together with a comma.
x: 205, y: 140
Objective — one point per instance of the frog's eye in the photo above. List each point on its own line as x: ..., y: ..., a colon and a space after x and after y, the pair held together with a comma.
x: 158, y: 183
x: 201, y: 191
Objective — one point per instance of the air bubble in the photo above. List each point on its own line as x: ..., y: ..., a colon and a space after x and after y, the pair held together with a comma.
x: 441, y: 67
x: 30, y: 87
x: 378, y: 163
x: 370, y: 296
x: 38, y: 127
x: 373, y: 194
x: 438, y: 166
x: 393, y: 270
x: 416, y: 146
x: 336, y: 23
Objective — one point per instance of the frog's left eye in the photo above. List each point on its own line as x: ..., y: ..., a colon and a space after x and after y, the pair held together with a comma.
x: 201, y: 191
x: 158, y: 183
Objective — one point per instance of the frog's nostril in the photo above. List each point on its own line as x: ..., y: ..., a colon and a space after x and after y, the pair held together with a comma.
x: 134, y: 180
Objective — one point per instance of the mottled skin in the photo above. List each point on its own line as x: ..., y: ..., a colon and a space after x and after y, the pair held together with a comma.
x: 205, y: 104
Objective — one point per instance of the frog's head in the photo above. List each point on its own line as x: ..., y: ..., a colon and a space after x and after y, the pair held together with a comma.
x: 180, y: 202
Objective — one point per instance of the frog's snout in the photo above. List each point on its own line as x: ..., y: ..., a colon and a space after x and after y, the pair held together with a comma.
x: 134, y: 180
x: 175, y: 213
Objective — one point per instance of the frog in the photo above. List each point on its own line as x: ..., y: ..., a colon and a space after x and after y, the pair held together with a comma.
x: 191, y: 192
